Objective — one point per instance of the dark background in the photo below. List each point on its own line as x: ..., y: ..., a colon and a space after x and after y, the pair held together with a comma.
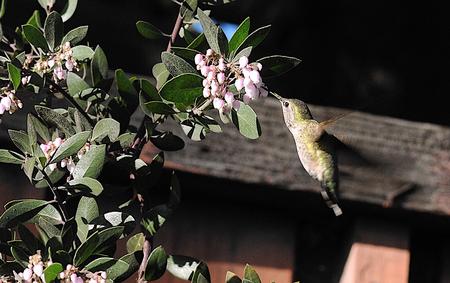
x: 383, y: 57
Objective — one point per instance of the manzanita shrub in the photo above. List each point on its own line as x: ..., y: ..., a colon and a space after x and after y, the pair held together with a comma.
x: 79, y: 145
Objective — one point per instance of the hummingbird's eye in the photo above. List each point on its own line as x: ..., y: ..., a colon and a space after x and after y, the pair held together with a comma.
x: 285, y: 104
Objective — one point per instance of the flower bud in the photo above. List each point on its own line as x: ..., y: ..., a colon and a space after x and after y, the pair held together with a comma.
x: 247, y: 82
x: 221, y: 78
x: 246, y: 72
x: 222, y: 65
x: 70, y: 166
x: 206, y: 92
x: 73, y: 278
x: 218, y: 103
x: 63, y: 163
x: 255, y: 77
x: 51, y: 63
x: 251, y: 91
x: 62, y: 275
x: 103, y: 274
x: 6, y: 102
x: 205, y: 83
x: 27, y: 274
x: 210, y: 76
x: 209, y: 52
x: 2, y: 109
x: 259, y: 66
x: 214, y: 87
x: 57, y: 142
x: 204, y: 71
x: 229, y: 97
x: 198, y: 58
x: 243, y: 61
x: 239, y: 83
x: 92, y: 280
x: 38, y: 269
x: 69, y: 65
x: 236, y: 105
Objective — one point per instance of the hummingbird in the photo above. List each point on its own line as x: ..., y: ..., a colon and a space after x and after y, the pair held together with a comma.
x: 315, y: 147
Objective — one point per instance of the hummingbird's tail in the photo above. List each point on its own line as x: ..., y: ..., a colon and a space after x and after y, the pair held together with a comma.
x: 328, y: 194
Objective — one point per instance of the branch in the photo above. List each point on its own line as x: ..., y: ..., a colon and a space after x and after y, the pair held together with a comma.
x: 72, y: 101
x: 55, y: 196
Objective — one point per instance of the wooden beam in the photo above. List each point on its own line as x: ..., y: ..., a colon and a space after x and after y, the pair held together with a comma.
x: 379, y: 253
x: 408, y: 162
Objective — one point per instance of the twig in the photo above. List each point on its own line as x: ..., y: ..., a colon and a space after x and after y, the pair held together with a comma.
x: 55, y: 196
x: 72, y: 101
x: 138, y: 144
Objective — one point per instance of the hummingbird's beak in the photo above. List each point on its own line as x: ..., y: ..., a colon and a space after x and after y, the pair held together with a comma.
x: 277, y: 96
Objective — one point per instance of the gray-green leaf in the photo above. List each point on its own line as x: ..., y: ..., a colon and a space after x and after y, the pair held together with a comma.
x: 246, y: 121
x: 183, y: 90
x: 107, y: 127
x: 35, y: 37
x: 14, y: 75
x: 53, y: 29
x: 148, y: 30
x: 71, y: 146
x: 156, y: 264
x: 276, y: 65
x: 91, y: 163
x: 176, y: 65
x: 76, y: 35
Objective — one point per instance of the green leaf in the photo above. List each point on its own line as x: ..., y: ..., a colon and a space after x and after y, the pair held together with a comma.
x: 54, y: 176
x: 182, y: 267
x: 28, y: 167
x: 183, y: 90
x: 107, y: 127
x: 91, y: 163
x: 93, y: 186
x: 52, y: 272
x: 75, y: 84
x: 19, y: 255
x: 255, y: 38
x: 39, y: 127
x: 276, y: 65
x: 199, y: 43
x: 53, y: 29
x: 157, y: 107
x: 210, y: 30
x: 14, y: 75
x: 3, y: 8
x: 50, y: 230
x: 156, y: 264
x: 35, y: 37
x: 69, y: 9
x: 114, y: 219
x: 99, y: 66
x: 246, y: 121
x: 108, y: 238
x: 167, y: 141
x: 201, y: 274
x: 251, y: 275
x: 244, y: 52
x: 114, y: 267
x: 76, y: 35
x: 11, y: 157
x: 223, y: 41
x: 186, y: 53
x: 161, y: 74
x: 30, y: 241
x: 149, y: 92
x: 86, y: 249
x: 21, y: 140
x: 133, y: 260
x: 135, y: 243
x: 71, y: 146
x: 117, y: 270
x: 31, y: 132
x: 50, y: 214
x: 86, y: 212
x: 82, y: 53
x: 100, y: 264
x: 239, y: 35
x: 232, y: 278
x: 195, y: 131
x: 155, y: 218
x: 35, y: 20
x: 187, y: 9
x: 21, y: 212
x: 53, y: 118
x: 127, y: 91
x: 148, y: 30
x: 176, y: 65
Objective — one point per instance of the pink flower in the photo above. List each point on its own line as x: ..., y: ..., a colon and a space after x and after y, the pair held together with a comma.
x: 206, y: 92
x: 198, y: 58
x: 259, y: 66
x: 209, y: 52
x: 6, y: 102
x: 243, y: 61
x: 2, y: 109
x: 38, y: 269
x: 69, y: 65
x: 27, y: 274
x: 229, y: 97
x: 255, y: 77
x: 221, y: 78
x: 236, y: 105
x: 218, y: 103
x: 204, y: 71
x: 239, y: 83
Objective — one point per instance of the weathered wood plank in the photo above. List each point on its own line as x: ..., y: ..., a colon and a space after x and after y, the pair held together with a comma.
x: 410, y: 161
x: 379, y: 253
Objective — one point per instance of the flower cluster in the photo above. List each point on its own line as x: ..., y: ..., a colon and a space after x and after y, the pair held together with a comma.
x: 220, y: 76
x: 72, y: 275
x: 35, y: 269
x: 8, y: 101
x: 59, y: 63
x: 50, y: 148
